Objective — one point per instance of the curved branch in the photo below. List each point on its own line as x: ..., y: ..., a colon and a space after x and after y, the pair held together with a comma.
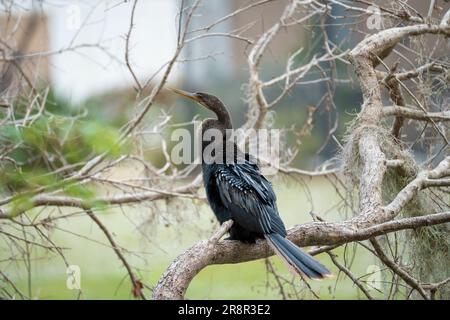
x: 416, y: 114
x: 175, y: 281
x: 77, y: 202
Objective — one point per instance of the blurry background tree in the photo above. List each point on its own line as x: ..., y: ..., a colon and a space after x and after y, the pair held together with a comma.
x: 359, y: 90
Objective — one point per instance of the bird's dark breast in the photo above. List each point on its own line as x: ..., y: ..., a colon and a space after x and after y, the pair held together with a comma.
x: 229, y: 198
x: 212, y: 194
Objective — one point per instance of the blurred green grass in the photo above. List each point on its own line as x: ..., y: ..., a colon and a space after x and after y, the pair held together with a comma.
x: 152, y: 246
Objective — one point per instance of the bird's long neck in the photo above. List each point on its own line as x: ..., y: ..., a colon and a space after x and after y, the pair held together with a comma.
x: 223, y: 117
x: 216, y: 145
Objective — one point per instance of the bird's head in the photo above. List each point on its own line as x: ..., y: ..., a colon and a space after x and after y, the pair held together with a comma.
x: 210, y: 102
x: 205, y: 99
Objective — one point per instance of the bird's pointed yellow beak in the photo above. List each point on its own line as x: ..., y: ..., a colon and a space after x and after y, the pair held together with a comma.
x: 191, y: 96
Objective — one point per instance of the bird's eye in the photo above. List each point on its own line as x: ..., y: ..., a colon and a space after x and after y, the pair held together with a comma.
x: 200, y: 96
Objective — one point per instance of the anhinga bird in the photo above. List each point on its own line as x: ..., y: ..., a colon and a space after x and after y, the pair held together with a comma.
x: 237, y: 190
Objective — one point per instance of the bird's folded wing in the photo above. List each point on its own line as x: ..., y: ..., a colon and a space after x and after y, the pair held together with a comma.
x: 242, y: 186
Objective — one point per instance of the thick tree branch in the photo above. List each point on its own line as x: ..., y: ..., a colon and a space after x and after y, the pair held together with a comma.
x: 175, y: 281
x: 179, y: 274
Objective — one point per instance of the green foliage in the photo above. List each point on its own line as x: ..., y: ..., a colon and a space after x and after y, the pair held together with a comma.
x: 59, y: 140
x: 99, y: 138
x: 21, y: 204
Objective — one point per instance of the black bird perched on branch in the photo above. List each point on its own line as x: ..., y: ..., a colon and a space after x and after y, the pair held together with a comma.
x: 237, y: 190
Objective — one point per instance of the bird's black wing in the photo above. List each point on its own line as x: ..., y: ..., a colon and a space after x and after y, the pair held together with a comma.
x: 249, y: 197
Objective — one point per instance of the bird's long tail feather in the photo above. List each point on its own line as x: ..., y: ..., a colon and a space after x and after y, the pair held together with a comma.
x: 297, y: 260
